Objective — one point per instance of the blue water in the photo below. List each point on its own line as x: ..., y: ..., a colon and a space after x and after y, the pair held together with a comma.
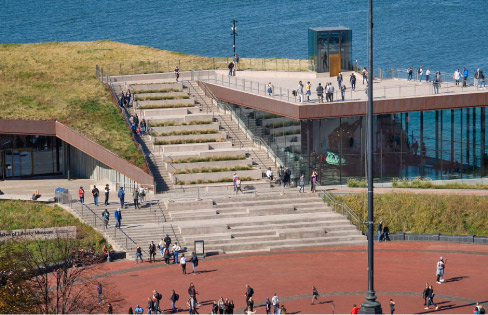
x: 438, y: 34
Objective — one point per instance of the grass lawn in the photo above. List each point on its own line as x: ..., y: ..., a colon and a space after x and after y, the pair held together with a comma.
x: 16, y: 214
x: 424, y: 213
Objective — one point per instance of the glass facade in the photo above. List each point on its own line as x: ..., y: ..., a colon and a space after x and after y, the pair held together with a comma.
x: 444, y: 144
x: 26, y: 155
x: 326, y: 41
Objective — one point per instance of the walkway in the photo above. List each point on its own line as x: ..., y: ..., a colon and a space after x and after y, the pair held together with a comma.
x: 340, y: 275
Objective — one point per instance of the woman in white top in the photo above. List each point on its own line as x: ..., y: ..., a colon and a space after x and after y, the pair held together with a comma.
x: 457, y: 76
x: 183, y: 263
x: 269, y: 173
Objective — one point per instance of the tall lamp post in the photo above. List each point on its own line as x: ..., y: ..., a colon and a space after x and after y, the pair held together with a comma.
x: 234, y: 34
x: 370, y: 306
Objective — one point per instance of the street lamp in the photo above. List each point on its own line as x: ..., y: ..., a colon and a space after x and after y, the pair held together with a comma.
x: 370, y: 306
x: 234, y: 21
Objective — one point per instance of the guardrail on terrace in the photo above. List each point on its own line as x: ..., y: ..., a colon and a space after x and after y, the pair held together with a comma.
x: 342, y: 208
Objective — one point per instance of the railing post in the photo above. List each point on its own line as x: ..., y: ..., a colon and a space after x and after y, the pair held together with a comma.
x: 126, y: 242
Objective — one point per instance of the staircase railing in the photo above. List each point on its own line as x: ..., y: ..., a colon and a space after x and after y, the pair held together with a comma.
x: 342, y: 208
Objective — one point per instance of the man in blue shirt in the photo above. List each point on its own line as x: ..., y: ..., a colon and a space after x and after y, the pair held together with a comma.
x: 465, y: 76
x: 139, y: 310
x: 121, y: 195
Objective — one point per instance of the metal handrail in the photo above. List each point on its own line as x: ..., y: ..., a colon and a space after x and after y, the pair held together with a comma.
x: 353, y: 217
x: 174, y: 234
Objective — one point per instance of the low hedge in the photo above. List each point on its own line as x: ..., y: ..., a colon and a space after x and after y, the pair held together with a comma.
x: 213, y: 169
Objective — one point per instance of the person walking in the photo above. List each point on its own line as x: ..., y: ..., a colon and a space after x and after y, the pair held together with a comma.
x: 436, y: 82
x: 135, y: 197
x: 139, y: 254
x: 482, y: 82
x: 116, y: 216
x: 315, y: 295
x: 441, y: 264
x: 107, y: 191
x: 269, y: 89
x: 275, y: 300
x: 99, y: 292
x: 152, y: 252
x: 177, y: 73
x: 249, y: 293
x: 121, y: 195
x: 320, y: 93
x: 380, y: 230
x: 268, y: 306
x: 234, y: 180
x: 300, y: 91
x: 194, y: 261
x: 331, y: 92
x: 314, y: 181
x: 409, y: 72
x: 106, y: 217
x: 427, y: 75
x: 231, y: 68
x: 142, y: 195
x: 421, y: 74
x: 465, y: 76
x: 176, y: 249
x: 431, y: 299
x: 308, y: 90
x: 352, y: 79
x: 119, y: 218
x: 386, y: 233
x: 183, y: 263
x: 456, y: 76
x: 392, y: 306
x: 173, y: 298
x: 81, y: 195
x: 150, y: 306
x: 302, y: 184
x: 286, y: 178
x: 343, y: 91
x: 167, y: 240
x: 238, y: 186
x: 425, y: 293
x: 110, y: 309
x: 365, y: 75
x: 166, y: 254
x: 95, y: 193
x: 339, y: 79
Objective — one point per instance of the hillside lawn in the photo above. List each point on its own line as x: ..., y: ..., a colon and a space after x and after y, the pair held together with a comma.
x: 57, y: 80
x: 424, y: 213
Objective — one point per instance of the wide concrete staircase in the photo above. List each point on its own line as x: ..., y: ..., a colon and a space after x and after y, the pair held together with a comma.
x: 262, y: 223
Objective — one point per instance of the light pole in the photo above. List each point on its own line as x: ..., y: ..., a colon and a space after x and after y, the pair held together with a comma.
x: 370, y: 306
x: 234, y: 34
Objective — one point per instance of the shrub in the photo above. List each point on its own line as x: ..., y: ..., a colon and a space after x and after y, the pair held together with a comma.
x: 210, y: 159
x: 213, y: 169
x: 223, y: 180
x: 173, y: 123
x: 185, y: 133
x: 184, y: 141
x: 161, y: 97
x: 163, y: 106
x: 352, y: 182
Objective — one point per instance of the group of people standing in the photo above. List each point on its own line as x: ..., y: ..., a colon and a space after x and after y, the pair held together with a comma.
x: 136, y: 126
x: 125, y: 98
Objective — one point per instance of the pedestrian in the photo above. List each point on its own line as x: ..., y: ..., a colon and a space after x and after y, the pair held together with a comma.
x: 194, y: 261
x: 380, y: 230
x: 339, y: 79
x: 110, y: 309
x: 250, y: 305
x: 431, y: 299
x: 139, y: 309
x: 355, y: 309
x: 275, y: 300
x: 435, y: 84
x: 269, y: 89
x: 167, y: 240
x: 427, y: 75
x: 268, y: 306
x: 192, y: 305
x: 131, y: 311
x: 150, y: 306
x: 287, y: 177
x: 236, y: 62
x: 365, y: 75
x: 320, y: 93
x: 465, y: 76
x: 116, y: 216
x: 139, y: 254
x: 409, y: 72
x: 425, y: 293
x: 121, y: 195
x: 234, y: 180
x: 135, y: 197
x: 166, y: 254
x: 143, y: 126
x: 174, y: 297
x: 441, y: 264
x: 81, y: 194
x: 106, y: 217
x: 300, y: 91
x: 142, y: 195
x: 386, y: 233
x: 483, y: 82
x: 231, y: 68
x: 302, y: 184
x: 477, y: 79
x: 183, y: 263
x: 456, y: 76
x: 215, y: 307
x: 99, y: 293
x: 152, y: 252
x: 352, y: 79
x: 128, y: 96
x: 421, y: 74
x: 392, y: 306
x: 327, y: 92
x: 308, y: 90
x: 249, y: 293
x: 314, y: 181
x: 156, y: 298
x: 331, y: 92
x: 479, y: 309
x: 177, y: 73
x: 95, y: 193
x: 119, y: 218
x: 315, y: 295
x: 220, y: 305
x: 176, y: 249
x: 343, y: 91
x: 269, y: 174
x: 107, y: 191
x: 238, y: 186
x: 122, y: 99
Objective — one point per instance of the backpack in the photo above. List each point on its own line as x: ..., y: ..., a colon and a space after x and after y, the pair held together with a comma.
x: 177, y: 297
x: 252, y: 291
x: 159, y: 296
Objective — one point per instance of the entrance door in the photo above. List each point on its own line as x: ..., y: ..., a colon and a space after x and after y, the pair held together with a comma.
x: 334, y: 64
x: 18, y: 162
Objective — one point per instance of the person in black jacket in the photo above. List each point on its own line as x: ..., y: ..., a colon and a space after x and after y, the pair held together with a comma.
x: 249, y: 293
x: 174, y: 297
x: 194, y: 261
x: 167, y: 240
x: 152, y: 252
x: 386, y: 233
x: 286, y: 177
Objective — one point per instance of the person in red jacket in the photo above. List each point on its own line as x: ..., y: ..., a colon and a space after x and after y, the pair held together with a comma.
x: 355, y: 309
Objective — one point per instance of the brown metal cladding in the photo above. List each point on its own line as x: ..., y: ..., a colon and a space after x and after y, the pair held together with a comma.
x: 346, y: 109
x: 93, y: 149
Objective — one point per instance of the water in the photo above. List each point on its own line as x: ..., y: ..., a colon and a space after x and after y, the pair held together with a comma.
x: 438, y: 34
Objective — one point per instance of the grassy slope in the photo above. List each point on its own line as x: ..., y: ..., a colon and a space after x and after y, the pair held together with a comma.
x: 26, y: 214
x: 423, y: 213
